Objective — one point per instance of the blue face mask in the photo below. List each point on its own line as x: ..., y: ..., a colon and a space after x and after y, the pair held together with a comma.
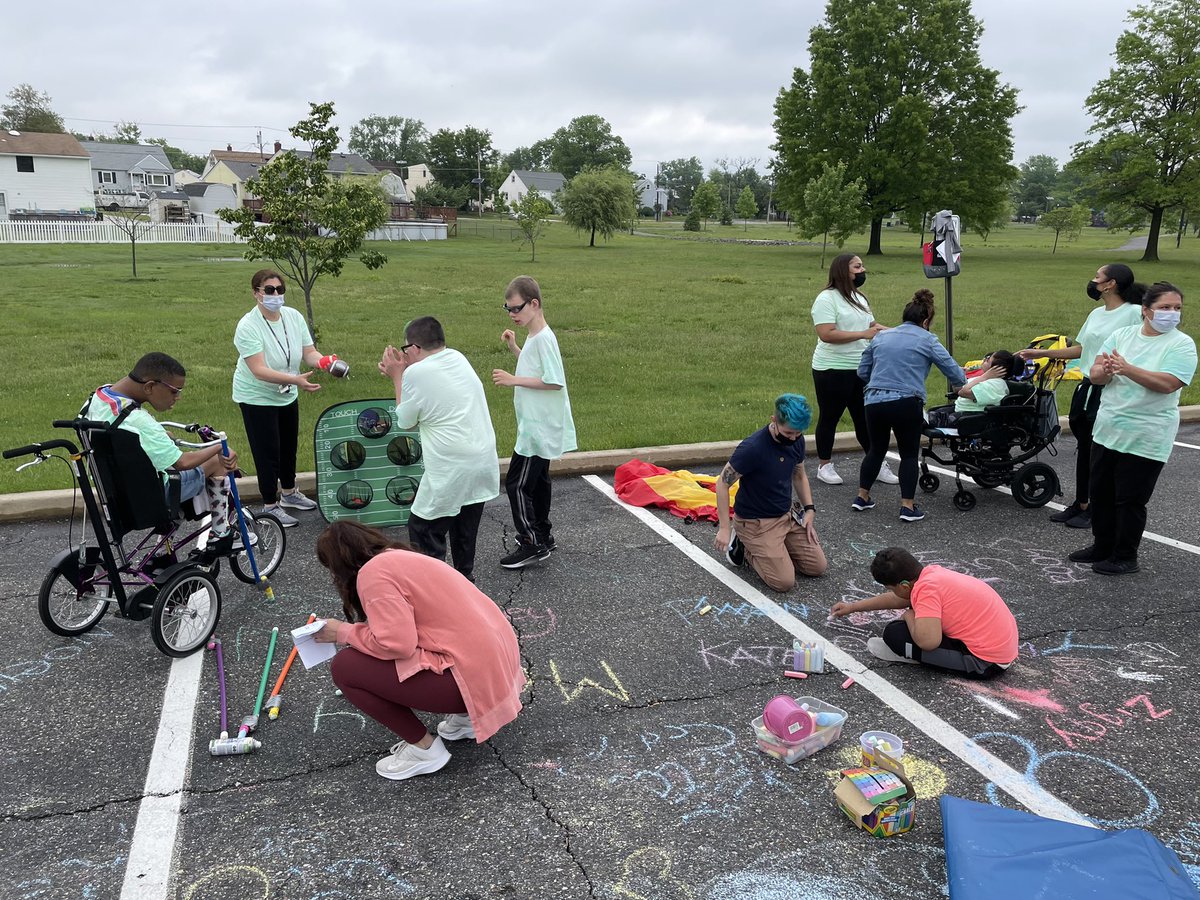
x: 273, y: 303
x: 1165, y: 320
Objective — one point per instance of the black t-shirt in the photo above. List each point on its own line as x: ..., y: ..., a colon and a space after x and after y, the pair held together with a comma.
x: 765, y: 489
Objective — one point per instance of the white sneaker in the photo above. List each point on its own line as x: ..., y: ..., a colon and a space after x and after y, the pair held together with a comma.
x: 828, y: 474
x: 406, y: 760
x: 285, y: 520
x: 296, y: 500
x: 880, y: 650
x: 456, y: 727
x: 886, y: 475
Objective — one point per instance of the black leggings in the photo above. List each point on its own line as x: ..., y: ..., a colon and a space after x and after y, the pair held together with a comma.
x: 838, y: 390
x: 1122, y: 484
x: 906, y: 418
x: 1084, y: 404
x: 273, y: 433
x: 952, y: 655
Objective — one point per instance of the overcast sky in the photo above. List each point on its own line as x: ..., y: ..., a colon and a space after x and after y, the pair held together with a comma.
x: 675, y: 78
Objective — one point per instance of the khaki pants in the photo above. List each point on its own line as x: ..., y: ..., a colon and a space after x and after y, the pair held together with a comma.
x: 779, y: 550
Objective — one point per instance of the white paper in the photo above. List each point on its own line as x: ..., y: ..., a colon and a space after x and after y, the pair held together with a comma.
x: 312, y: 653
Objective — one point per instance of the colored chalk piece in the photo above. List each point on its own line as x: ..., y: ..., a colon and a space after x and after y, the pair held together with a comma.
x: 847, y: 683
x: 704, y: 610
x: 794, y: 675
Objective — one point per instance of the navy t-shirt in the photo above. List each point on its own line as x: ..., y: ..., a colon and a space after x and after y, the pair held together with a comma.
x: 765, y: 489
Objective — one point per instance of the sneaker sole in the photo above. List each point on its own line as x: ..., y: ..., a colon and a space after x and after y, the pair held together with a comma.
x: 305, y: 508
x: 425, y: 768
x: 457, y: 734
x: 861, y: 508
x: 912, y: 518
x: 525, y: 562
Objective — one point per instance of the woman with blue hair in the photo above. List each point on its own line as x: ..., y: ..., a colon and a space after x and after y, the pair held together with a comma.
x: 772, y: 526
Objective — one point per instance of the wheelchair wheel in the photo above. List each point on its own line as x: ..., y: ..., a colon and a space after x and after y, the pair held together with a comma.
x: 990, y: 480
x: 67, y: 610
x: 186, y: 612
x: 268, y: 552
x: 929, y: 482
x: 964, y: 500
x: 1034, y: 485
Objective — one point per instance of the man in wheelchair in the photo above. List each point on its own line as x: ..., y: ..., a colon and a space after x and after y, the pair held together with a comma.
x: 158, y: 379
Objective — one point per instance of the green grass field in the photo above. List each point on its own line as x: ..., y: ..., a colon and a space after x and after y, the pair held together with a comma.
x: 664, y: 341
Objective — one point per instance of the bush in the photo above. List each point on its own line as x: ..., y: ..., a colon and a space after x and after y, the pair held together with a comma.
x: 726, y: 215
x: 646, y: 212
x: 692, y: 222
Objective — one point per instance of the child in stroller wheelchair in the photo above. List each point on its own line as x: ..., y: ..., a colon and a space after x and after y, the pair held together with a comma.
x: 986, y: 389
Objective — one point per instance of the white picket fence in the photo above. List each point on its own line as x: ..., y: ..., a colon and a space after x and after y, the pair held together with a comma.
x: 107, y: 233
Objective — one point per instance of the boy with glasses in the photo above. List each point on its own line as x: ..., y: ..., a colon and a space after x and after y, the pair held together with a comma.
x: 545, y: 428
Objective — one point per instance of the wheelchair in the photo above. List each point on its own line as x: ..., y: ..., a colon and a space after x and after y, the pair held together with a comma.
x: 164, y: 574
x: 997, y: 447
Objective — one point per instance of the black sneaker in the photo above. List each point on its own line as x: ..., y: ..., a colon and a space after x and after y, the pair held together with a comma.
x: 1115, y: 567
x: 524, y: 555
x: 1082, y: 519
x: 913, y: 514
x: 735, y: 553
x: 1088, y: 555
x: 550, y: 544
x: 1067, y: 514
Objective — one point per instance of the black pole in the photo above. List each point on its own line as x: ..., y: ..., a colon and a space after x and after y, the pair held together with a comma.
x: 949, y: 317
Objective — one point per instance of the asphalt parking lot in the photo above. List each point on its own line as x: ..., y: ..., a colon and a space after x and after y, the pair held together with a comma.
x: 632, y: 771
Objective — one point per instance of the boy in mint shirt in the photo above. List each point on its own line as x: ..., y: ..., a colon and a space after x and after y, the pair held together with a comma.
x: 984, y: 390
x: 545, y: 429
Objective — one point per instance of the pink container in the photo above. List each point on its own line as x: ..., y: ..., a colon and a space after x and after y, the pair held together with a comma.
x: 787, y: 720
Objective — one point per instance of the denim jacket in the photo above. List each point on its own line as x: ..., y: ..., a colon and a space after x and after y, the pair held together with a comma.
x: 897, y: 362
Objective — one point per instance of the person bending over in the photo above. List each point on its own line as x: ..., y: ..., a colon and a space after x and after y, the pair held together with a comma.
x: 159, y: 379
x: 951, y: 621
x: 772, y: 531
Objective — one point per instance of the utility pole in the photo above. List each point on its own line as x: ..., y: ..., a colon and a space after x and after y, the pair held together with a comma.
x: 658, y: 194
x: 261, y: 155
x: 479, y: 178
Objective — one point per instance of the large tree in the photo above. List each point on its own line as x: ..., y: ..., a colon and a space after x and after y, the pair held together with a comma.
x: 456, y: 156
x: 598, y: 200
x: 1036, y: 188
x: 314, y: 220
x: 681, y: 177
x: 535, y: 158
x: 390, y: 138
x: 28, y: 109
x: 898, y: 92
x: 1145, y: 157
x: 586, y: 142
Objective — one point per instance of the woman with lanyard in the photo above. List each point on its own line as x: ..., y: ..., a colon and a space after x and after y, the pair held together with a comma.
x: 1144, y: 368
x: 1122, y: 298
x: 272, y: 340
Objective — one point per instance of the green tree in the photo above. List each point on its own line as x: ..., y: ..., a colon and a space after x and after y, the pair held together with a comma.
x: 455, y: 157
x: 314, y: 221
x: 681, y: 177
x: 390, y: 138
x: 1146, y: 114
x: 747, y: 206
x: 180, y: 159
x: 437, y: 194
x: 692, y: 222
x: 1065, y: 220
x: 1036, y: 186
x: 897, y: 91
x: 127, y: 133
x: 134, y: 225
x: 535, y: 158
x: 707, y: 201
x: 832, y: 206
x: 28, y: 109
x: 533, y: 215
x: 586, y: 142
x: 598, y: 200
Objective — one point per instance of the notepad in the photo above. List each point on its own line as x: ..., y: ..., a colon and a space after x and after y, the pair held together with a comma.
x: 312, y: 653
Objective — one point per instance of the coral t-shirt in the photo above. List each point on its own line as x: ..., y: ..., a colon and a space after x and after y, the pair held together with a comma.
x: 970, y: 610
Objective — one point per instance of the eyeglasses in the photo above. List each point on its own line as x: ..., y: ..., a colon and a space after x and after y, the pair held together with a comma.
x: 270, y: 289
x: 515, y: 309
x: 174, y: 390
x: 404, y: 347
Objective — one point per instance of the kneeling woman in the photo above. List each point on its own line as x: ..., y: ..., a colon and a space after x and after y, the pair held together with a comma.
x: 419, y: 636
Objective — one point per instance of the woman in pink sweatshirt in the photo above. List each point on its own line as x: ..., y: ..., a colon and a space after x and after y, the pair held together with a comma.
x: 419, y: 636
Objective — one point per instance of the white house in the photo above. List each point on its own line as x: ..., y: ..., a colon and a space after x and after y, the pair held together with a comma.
x: 648, y: 194
x: 419, y: 176
x: 43, y: 176
x: 520, y: 182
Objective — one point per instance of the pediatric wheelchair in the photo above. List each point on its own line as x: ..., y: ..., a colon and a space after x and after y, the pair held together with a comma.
x: 995, y: 447
x: 158, y: 577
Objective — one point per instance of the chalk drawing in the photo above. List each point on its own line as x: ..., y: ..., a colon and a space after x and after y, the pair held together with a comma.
x: 349, y: 713
x: 617, y: 692
x: 533, y: 623
x: 17, y: 673
x: 230, y: 881
x: 646, y: 875
x: 769, y: 656
x: 1071, y: 729
x: 728, y: 613
x: 928, y: 778
x: 1068, y: 644
x: 1187, y: 845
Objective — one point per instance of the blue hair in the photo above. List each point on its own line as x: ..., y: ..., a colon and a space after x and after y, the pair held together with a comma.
x: 792, y: 411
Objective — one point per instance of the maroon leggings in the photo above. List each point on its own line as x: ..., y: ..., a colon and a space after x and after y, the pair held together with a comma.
x: 372, y: 686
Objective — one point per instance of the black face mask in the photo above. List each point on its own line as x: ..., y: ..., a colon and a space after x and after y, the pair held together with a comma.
x: 783, y: 441
x: 1093, y: 291
x: 860, y: 278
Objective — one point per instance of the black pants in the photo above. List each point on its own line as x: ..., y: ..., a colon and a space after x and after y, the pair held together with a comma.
x: 1082, y: 418
x: 429, y: 536
x: 1122, y: 484
x: 528, y: 486
x: 906, y: 418
x: 951, y: 655
x: 273, y: 433
x: 838, y: 390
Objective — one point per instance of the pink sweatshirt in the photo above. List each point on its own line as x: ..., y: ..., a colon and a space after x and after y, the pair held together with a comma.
x: 425, y: 615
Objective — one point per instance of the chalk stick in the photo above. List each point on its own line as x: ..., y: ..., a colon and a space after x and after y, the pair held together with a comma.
x: 338, y: 692
x: 795, y: 675
x: 847, y: 683
x: 705, y: 609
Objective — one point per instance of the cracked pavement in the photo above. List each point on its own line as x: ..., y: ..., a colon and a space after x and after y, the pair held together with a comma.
x: 631, y: 772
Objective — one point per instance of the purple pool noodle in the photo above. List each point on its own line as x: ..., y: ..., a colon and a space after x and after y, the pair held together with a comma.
x: 221, y: 677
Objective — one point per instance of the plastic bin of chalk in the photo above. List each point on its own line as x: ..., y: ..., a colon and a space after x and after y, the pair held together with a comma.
x: 818, y: 740
x: 871, y: 741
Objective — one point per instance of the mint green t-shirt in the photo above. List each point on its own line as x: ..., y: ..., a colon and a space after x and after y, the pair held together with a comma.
x: 1099, y: 324
x: 1134, y: 419
x: 831, y: 308
x: 987, y: 393
x: 545, y: 427
x: 107, y: 404
x: 282, y: 345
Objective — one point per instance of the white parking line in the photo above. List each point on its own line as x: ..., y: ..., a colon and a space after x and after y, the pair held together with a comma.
x: 1189, y: 446
x: 152, y: 850
x: 991, y: 767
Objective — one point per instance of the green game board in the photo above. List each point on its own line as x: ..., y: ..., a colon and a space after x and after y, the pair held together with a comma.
x: 367, y: 468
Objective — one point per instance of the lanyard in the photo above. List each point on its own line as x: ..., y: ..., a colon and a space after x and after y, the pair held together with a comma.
x: 286, y: 350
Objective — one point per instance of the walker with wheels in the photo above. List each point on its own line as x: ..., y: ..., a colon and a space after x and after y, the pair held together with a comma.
x: 168, y: 575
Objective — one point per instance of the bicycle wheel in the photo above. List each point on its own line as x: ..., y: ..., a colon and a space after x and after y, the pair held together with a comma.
x: 268, y: 552
x: 186, y: 612
x: 70, y: 605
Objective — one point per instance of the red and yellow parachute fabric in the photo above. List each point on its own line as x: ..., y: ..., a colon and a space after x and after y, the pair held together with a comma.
x: 683, y: 493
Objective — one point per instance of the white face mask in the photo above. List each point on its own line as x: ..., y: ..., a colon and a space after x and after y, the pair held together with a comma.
x: 272, y: 303
x: 1165, y: 320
